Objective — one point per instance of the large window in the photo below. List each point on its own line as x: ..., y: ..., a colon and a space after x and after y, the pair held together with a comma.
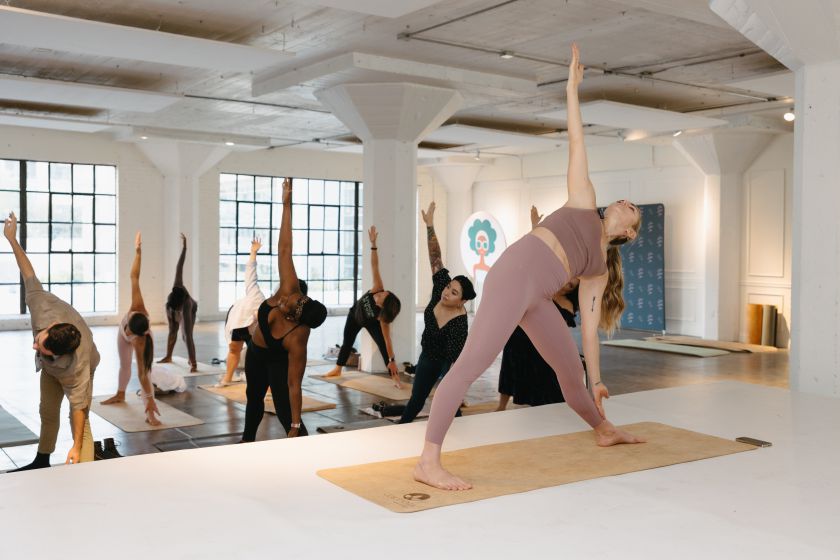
x: 67, y: 225
x: 326, y: 222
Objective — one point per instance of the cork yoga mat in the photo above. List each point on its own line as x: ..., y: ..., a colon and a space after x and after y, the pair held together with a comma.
x: 373, y: 384
x: 522, y: 466
x: 719, y: 344
x: 130, y: 416
x: 666, y: 347
x: 236, y: 393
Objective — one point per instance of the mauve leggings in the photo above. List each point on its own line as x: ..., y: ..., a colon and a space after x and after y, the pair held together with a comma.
x: 518, y: 290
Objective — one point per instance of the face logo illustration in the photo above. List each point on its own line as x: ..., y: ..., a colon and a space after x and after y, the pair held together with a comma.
x: 416, y: 496
x: 482, y: 241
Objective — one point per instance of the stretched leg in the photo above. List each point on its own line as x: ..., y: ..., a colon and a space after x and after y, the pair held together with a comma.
x: 51, y: 395
x: 256, y: 377
x: 173, y: 336
x: 124, y: 349
x: 189, y: 324
x: 234, y: 353
x: 504, y: 301
x: 503, y: 402
x: 426, y: 374
x: 351, y: 331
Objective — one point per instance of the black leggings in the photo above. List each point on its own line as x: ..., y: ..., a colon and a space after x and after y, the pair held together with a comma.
x: 351, y: 331
x: 426, y: 374
x: 264, y: 370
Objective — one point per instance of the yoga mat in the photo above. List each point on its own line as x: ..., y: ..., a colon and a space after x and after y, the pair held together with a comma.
x: 484, y: 407
x: 754, y: 318
x: 522, y: 466
x: 181, y: 367
x: 768, y: 325
x: 130, y: 416
x: 669, y: 348
x: 12, y: 432
x: 364, y: 424
x: 236, y: 393
x: 719, y: 344
x: 373, y: 384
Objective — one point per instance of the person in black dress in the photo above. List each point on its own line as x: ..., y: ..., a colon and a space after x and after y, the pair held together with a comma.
x: 445, y: 320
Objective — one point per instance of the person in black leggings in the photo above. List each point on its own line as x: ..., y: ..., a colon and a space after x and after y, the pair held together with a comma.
x: 374, y: 312
x: 181, y: 310
x: 445, y: 321
x: 276, y: 355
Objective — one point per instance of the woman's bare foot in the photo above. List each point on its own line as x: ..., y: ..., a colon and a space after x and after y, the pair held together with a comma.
x: 334, y: 372
x: 193, y: 368
x: 118, y: 398
x: 607, y: 435
x: 437, y: 476
x: 166, y: 360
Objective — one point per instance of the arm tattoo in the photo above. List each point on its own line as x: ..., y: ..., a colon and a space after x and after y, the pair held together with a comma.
x: 434, y: 249
x: 593, y: 304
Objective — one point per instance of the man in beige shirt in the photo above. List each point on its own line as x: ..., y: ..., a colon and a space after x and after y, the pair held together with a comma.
x: 66, y: 357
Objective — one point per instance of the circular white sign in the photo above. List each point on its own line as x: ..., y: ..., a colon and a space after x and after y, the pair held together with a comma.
x: 482, y: 241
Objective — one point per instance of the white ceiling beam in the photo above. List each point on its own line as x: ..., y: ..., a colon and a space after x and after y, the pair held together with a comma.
x: 142, y: 133
x: 65, y: 34
x: 53, y: 124
x: 381, y: 8
x: 36, y: 90
x: 623, y: 115
x: 465, y: 135
x: 378, y: 68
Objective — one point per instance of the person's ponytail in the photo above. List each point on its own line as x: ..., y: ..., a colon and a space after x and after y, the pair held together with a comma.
x: 612, y: 304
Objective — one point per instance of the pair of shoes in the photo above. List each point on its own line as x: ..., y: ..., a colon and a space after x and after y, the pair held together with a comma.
x: 98, y: 452
x: 110, y: 451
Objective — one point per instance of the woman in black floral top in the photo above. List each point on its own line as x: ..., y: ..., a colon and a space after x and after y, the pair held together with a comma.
x: 445, y: 321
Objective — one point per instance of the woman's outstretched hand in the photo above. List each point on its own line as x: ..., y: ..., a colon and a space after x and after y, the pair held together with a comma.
x: 372, y: 235
x: 575, y: 69
x: 287, y: 190
x: 600, y: 392
x: 429, y: 215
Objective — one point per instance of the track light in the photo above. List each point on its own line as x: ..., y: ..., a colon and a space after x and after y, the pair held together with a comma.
x: 789, y: 115
x: 144, y: 138
x: 677, y: 133
x: 229, y: 143
x: 507, y: 55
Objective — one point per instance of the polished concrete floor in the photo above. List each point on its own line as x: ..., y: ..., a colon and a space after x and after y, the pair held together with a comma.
x: 623, y: 370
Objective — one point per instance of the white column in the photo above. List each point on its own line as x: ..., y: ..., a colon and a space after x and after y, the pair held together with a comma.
x: 182, y: 165
x: 815, y: 325
x: 391, y: 119
x: 722, y: 156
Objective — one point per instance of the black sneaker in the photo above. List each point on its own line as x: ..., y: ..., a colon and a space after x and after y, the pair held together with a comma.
x: 98, y: 452
x: 111, y: 449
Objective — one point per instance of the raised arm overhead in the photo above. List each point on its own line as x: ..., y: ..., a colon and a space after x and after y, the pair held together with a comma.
x: 581, y: 191
x: 378, y: 286
x: 179, y: 269
x: 434, y: 246
x: 285, y: 263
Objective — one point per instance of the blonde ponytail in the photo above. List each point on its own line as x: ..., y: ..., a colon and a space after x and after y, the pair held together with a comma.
x: 612, y: 304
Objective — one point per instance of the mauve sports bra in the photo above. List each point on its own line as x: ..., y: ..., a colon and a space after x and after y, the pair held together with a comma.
x: 579, y: 232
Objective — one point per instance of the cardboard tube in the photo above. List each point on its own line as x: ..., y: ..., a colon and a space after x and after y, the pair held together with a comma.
x: 768, y: 325
x: 754, y: 319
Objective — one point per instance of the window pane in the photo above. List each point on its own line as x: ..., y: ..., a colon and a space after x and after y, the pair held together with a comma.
x: 227, y: 187
x: 300, y: 266
x: 83, y: 237
x: 83, y: 268
x: 106, y: 237
x: 347, y: 247
x: 227, y: 268
x: 10, y: 299
x: 64, y: 292
x: 106, y: 297
x: 348, y: 217
x: 83, y: 209
x: 227, y: 294
x: 227, y: 214
x: 264, y: 235
x: 262, y: 215
x: 9, y: 202
x: 348, y: 193
x: 60, y: 177
x: 331, y: 217
x: 37, y: 207
x: 37, y: 238
x: 316, y: 268
x: 300, y: 218
x: 316, y: 242
x: 61, y: 237
x: 277, y: 215
x: 300, y: 191
x: 316, y: 217
x: 245, y: 190
x: 244, y: 240
x: 262, y: 189
x: 41, y: 265
x: 331, y: 242
x: 106, y: 179
x: 241, y: 262
x: 83, y: 297
x: 106, y: 209
x: 9, y: 174
x: 62, y: 208
x: 83, y: 178
x: 9, y: 273
x: 299, y: 242
x: 106, y: 268
x: 330, y: 293
x: 37, y: 176
x: 316, y: 192
x: 246, y: 214
x: 346, y: 295
x: 332, y: 194
x: 316, y: 290
x: 60, y: 270
x: 227, y: 241
x: 331, y: 268
x: 265, y: 266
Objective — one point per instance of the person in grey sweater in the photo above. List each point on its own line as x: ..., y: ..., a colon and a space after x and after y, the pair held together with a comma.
x: 66, y: 357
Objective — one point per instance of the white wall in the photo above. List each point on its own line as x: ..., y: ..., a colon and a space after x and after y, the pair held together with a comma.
x: 766, y: 235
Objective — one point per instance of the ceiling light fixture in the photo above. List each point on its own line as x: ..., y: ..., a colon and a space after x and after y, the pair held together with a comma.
x: 144, y: 138
x: 789, y: 115
x: 677, y: 133
x: 507, y: 55
x: 229, y: 144
x: 477, y: 156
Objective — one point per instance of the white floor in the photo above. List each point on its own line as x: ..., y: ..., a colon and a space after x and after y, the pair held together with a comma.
x: 264, y: 500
